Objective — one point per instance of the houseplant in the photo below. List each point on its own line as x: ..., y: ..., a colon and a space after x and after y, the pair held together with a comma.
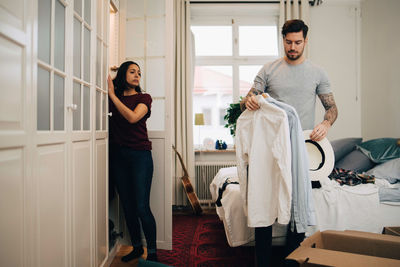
x: 232, y: 114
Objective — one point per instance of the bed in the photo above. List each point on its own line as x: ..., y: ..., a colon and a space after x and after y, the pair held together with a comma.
x: 338, y: 207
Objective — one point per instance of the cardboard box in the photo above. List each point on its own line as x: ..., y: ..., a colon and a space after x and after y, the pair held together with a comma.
x: 392, y: 231
x: 348, y: 249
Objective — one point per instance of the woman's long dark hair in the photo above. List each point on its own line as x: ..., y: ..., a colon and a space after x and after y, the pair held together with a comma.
x: 119, y: 81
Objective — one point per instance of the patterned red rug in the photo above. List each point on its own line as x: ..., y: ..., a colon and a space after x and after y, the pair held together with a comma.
x: 199, y: 241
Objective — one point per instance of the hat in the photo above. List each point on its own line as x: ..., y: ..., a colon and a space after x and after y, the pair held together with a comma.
x: 321, y: 157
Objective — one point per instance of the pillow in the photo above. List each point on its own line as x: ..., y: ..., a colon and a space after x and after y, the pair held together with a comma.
x: 355, y: 161
x: 380, y: 150
x: 344, y: 146
x: 390, y: 170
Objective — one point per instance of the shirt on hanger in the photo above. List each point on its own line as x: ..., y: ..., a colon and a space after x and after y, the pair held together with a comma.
x: 263, y: 146
x: 303, y: 211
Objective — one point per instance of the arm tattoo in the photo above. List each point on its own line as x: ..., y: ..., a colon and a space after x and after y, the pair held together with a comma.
x: 329, y: 104
x: 252, y: 92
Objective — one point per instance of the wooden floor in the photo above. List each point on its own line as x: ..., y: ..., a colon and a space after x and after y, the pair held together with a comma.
x: 122, y: 252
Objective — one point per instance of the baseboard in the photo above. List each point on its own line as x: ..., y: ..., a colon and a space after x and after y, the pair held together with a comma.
x: 113, y: 252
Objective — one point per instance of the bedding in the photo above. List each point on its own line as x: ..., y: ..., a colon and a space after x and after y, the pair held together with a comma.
x: 381, y: 150
x: 337, y: 208
x: 344, y: 146
x: 389, y: 170
x: 232, y: 213
x: 354, y: 208
x: 389, y: 194
x: 355, y: 161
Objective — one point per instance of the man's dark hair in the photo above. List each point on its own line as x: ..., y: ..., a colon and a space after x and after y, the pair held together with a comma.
x: 294, y: 25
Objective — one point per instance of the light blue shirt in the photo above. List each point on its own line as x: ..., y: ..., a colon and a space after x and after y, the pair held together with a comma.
x: 302, y: 209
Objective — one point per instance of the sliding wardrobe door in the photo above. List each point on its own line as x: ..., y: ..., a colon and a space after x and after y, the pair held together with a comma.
x: 101, y: 130
x: 53, y: 152
x: 15, y: 130
x: 70, y: 152
x: 52, y: 133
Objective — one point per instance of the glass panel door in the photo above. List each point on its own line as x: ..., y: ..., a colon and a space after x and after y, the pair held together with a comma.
x: 82, y: 65
x: 51, y: 66
x: 43, y: 96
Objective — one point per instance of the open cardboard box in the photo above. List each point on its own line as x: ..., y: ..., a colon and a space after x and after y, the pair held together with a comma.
x: 348, y: 248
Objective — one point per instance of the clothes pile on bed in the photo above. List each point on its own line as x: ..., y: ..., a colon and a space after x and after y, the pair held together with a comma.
x: 374, y: 161
x: 364, y: 207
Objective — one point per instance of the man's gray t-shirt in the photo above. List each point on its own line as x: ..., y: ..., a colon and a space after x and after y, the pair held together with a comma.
x: 295, y: 85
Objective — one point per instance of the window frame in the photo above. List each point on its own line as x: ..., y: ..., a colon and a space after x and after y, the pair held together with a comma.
x: 235, y: 61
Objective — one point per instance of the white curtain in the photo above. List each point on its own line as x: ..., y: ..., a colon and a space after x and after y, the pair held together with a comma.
x: 183, y: 120
x: 293, y: 10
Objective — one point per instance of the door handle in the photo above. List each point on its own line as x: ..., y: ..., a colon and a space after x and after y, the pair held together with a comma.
x: 109, y: 114
x: 72, y: 107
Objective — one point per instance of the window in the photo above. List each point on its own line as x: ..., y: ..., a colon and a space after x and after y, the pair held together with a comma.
x: 229, y: 50
x: 221, y: 116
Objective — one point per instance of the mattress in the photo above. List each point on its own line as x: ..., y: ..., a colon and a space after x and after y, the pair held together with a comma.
x: 337, y: 208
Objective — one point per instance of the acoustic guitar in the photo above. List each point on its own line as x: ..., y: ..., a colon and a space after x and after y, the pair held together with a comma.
x: 193, y: 199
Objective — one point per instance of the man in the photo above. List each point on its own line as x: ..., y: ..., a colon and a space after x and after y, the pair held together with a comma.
x: 295, y: 81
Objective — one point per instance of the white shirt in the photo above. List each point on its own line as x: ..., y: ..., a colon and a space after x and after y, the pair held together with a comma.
x: 263, y: 143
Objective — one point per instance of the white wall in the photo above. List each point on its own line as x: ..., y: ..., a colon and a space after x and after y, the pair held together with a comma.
x: 334, y: 45
x: 380, y: 69
x: 356, y: 42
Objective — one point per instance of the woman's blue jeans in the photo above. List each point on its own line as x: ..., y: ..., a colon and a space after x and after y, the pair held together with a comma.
x: 132, y: 172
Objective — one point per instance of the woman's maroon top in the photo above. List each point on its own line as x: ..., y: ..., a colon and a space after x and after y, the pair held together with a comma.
x: 122, y: 132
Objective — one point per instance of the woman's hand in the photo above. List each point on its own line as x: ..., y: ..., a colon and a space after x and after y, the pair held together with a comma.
x: 111, y: 90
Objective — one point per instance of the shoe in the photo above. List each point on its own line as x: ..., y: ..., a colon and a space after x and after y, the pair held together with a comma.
x: 135, y: 253
x: 152, y: 257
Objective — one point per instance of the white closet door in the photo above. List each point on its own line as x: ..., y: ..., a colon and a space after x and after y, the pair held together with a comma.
x: 101, y: 41
x: 52, y: 150
x: 53, y: 163
x: 146, y: 38
x: 14, y: 130
x: 82, y: 134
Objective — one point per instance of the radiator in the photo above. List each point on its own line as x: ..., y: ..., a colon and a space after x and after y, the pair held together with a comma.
x: 204, y: 174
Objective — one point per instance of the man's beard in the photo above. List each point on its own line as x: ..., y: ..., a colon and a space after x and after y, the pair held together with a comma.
x: 294, y: 57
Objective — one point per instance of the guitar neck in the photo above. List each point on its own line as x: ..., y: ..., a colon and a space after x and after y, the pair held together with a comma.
x: 181, y: 160
x: 193, y: 199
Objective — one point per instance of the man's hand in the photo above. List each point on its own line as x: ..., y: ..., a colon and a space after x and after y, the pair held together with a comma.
x: 320, y: 131
x: 252, y: 103
x: 331, y: 112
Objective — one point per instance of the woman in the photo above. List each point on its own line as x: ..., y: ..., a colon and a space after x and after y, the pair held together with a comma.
x: 131, y: 162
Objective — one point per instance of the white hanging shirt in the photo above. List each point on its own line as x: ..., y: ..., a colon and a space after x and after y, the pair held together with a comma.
x: 263, y: 144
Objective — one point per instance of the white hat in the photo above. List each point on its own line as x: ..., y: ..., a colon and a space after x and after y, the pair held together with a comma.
x: 321, y: 157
